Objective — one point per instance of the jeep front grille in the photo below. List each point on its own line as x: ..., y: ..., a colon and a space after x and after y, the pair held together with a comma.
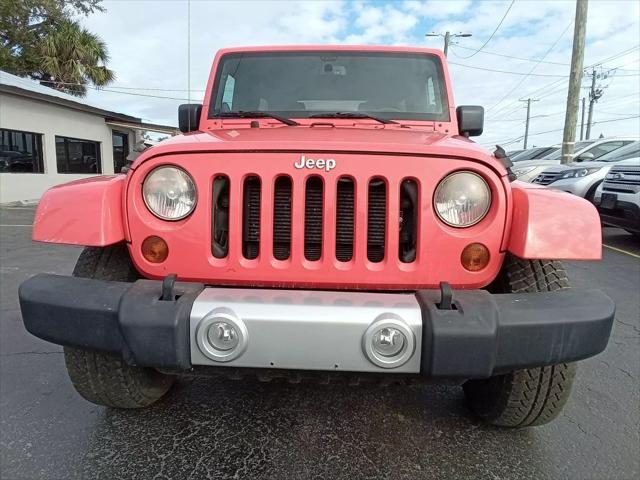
x: 367, y: 224
x: 318, y: 244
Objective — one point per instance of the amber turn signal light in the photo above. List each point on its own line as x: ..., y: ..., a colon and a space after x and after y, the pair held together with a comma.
x: 154, y: 249
x: 475, y: 257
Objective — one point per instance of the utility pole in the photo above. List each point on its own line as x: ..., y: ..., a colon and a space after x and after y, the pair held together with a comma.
x: 575, y: 78
x: 526, y: 128
x: 594, y: 96
x: 447, y: 38
x: 582, y: 122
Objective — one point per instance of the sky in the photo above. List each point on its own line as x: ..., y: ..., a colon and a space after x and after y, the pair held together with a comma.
x: 150, y: 44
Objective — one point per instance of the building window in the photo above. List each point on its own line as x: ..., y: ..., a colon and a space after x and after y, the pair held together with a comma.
x: 77, y: 156
x: 120, y: 150
x: 20, y: 152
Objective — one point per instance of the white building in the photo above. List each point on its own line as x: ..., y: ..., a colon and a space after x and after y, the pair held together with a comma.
x: 48, y: 137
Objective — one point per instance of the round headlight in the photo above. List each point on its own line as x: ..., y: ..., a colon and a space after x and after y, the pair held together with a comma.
x: 169, y: 193
x: 462, y: 199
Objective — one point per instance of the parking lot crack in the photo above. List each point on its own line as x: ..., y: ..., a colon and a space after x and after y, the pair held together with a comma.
x: 634, y: 327
x: 13, y: 354
x: 574, y: 422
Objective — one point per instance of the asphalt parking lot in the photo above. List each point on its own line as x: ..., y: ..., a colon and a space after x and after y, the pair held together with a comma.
x: 213, y: 428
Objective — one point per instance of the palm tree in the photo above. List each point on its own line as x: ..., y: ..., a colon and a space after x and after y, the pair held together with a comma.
x: 72, y: 57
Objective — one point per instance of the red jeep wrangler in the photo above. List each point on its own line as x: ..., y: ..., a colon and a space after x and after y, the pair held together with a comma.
x: 324, y: 215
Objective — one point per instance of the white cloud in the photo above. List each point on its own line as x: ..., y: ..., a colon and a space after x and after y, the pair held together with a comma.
x: 148, y: 46
x: 438, y: 8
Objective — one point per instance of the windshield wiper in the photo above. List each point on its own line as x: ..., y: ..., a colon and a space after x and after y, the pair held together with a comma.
x: 350, y: 115
x: 256, y: 114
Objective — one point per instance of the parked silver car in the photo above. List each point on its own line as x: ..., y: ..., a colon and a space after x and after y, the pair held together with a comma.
x: 582, y: 178
x: 618, y: 197
x: 585, y: 151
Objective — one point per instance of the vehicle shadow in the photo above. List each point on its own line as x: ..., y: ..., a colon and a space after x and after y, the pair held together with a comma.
x: 219, y: 428
x: 619, y: 238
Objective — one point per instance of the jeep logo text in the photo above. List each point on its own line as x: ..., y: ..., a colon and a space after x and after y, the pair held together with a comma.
x: 319, y: 163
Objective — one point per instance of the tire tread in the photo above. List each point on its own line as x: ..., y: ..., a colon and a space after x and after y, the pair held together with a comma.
x: 533, y: 396
x: 103, y: 378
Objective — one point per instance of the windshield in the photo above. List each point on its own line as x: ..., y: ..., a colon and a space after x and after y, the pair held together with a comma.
x: 303, y: 84
x: 533, y: 154
x: 577, y: 147
x: 629, y: 151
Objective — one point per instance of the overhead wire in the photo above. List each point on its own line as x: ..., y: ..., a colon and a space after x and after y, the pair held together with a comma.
x: 494, y: 31
x: 504, y: 55
x: 508, y: 71
x: 533, y: 68
x: 609, y: 120
x: 555, y: 83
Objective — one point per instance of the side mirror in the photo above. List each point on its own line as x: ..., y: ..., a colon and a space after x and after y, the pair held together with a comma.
x: 585, y: 157
x: 189, y: 117
x: 470, y: 120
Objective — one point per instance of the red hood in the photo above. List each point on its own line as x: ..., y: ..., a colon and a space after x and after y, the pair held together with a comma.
x: 303, y: 139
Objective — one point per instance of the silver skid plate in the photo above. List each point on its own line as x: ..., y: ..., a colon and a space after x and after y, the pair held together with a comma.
x: 297, y: 329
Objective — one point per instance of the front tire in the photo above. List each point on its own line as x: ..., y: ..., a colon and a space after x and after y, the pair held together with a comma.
x: 107, y: 380
x: 102, y: 378
x: 533, y: 396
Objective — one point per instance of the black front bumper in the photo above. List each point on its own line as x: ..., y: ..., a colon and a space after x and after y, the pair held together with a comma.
x: 624, y: 215
x: 481, y: 335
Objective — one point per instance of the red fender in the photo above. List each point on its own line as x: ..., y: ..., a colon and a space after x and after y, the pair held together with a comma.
x: 83, y: 212
x: 550, y: 224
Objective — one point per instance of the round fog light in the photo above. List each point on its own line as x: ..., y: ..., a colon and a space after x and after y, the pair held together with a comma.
x: 388, y: 342
x: 223, y: 336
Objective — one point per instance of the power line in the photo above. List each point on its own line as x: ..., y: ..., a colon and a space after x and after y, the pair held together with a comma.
x: 145, y: 89
x: 494, y: 32
x: 609, y: 120
x: 624, y: 96
x: 614, y: 113
x: 508, y: 72
x: 504, y: 55
x: 614, y: 56
x: 555, y: 130
x: 557, y: 82
x: 533, y: 68
x: 546, y: 86
x: 140, y: 94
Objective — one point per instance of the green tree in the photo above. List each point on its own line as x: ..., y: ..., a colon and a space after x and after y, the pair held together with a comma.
x: 71, y: 57
x: 40, y: 39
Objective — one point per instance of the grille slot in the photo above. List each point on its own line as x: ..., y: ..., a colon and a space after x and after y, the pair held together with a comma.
x: 220, y: 234
x: 313, y: 219
x: 251, y: 218
x: 345, y: 203
x: 282, y: 218
x: 408, y: 221
x: 376, y: 220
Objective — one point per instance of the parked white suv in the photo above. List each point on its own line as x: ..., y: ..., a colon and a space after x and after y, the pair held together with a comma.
x: 582, y: 178
x: 585, y: 151
x: 618, y: 197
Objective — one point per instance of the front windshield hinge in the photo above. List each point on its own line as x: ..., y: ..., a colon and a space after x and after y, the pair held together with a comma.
x: 501, y: 155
